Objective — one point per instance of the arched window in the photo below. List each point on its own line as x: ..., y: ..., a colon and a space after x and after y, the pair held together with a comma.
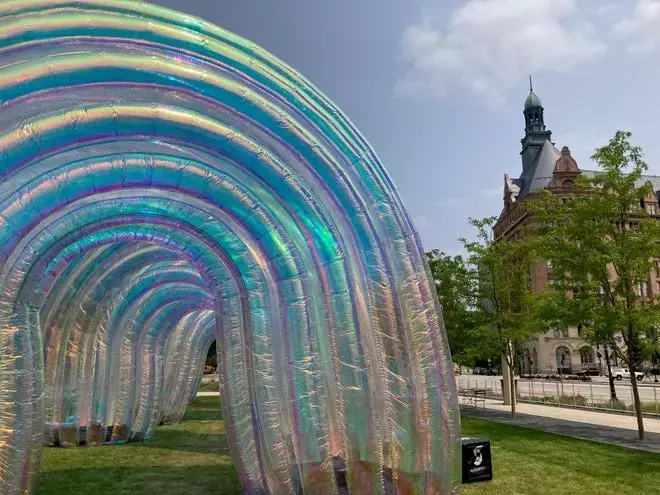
x: 563, y: 355
x: 587, y: 355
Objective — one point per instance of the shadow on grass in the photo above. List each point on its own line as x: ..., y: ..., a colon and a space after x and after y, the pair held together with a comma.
x: 198, y: 432
x: 199, y: 480
x: 205, y: 413
x: 191, y: 457
x: 204, y: 409
x: 185, y: 441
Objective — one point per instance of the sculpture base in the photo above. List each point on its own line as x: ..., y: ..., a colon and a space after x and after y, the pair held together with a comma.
x: 477, y: 460
x: 363, y: 473
x: 69, y: 435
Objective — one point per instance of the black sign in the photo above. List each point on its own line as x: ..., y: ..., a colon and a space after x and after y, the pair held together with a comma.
x: 477, y: 461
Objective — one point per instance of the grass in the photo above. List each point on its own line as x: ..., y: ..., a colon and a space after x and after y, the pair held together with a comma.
x: 211, y: 386
x: 530, y: 462
x: 192, y: 458
x: 183, y: 459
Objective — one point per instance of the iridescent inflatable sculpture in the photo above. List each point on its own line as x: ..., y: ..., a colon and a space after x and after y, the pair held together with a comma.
x: 164, y: 183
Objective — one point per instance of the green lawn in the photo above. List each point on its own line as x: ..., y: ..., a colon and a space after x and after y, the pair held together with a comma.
x: 192, y: 458
x: 530, y: 462
x: 212, y: 386
x: 189, y: 458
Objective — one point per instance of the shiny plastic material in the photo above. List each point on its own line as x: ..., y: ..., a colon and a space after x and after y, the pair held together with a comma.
x: 165, y: 183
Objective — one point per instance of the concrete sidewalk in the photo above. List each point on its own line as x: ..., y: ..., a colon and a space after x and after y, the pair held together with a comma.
x: 208, y: 394
x: 615, y: 429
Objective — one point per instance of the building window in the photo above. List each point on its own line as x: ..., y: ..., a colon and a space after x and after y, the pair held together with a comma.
x: 586, y: 355
x: 643, y: 289
x: 657, y: 268
x: 563, y: 356
x: 652, y: 209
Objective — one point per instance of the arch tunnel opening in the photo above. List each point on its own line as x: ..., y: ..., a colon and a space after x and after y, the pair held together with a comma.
x: 164, y: 184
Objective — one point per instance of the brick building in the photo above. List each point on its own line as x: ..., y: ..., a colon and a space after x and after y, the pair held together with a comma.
x: 544, y: 166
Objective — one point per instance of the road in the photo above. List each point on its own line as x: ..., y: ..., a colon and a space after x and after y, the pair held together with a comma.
x: 597, y: 390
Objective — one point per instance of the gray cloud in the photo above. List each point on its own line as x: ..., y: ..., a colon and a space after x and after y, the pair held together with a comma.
x: 642, y: 26
x: 488, y: 46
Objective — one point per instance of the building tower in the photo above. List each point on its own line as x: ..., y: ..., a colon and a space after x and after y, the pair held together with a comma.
x: 535, y: 132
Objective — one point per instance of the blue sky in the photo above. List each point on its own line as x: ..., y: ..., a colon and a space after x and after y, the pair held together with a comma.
x: 438, y: 87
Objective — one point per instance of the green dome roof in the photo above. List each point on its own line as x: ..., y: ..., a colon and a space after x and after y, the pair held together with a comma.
x: 533, y: 101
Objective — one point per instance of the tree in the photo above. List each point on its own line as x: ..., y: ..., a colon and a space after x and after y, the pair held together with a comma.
x: 601, y: 244
x: 572, y: 302
x: 502, y: 293
x: 212, y: 355
x: 454, y: 283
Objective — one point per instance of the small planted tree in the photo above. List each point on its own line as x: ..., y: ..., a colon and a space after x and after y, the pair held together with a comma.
x: 502, y: 293
x: 454, y: 283
x: 602, y: 245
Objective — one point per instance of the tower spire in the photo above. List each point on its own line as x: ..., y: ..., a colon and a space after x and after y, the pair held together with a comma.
x: 536, y: 133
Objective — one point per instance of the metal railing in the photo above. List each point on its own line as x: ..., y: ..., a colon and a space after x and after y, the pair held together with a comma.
x: 579, y: 395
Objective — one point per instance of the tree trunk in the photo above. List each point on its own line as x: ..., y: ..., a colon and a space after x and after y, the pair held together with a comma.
x: 638, y: 406
x: 512, y: 384
x: 631, y: 353
x: 610, y: 378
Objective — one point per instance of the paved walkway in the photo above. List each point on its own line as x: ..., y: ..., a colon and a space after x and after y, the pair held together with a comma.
x: 208, y: 394
x: 616, y: 429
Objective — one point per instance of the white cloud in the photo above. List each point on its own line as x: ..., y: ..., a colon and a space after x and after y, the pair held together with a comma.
x: 607, y: 8
x: 642, y: 26
x: 488, y: 46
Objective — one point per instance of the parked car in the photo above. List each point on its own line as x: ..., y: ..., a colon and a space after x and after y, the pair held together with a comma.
x: 621, y: 373
x: 589, y: 371
x: 486, y: 371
